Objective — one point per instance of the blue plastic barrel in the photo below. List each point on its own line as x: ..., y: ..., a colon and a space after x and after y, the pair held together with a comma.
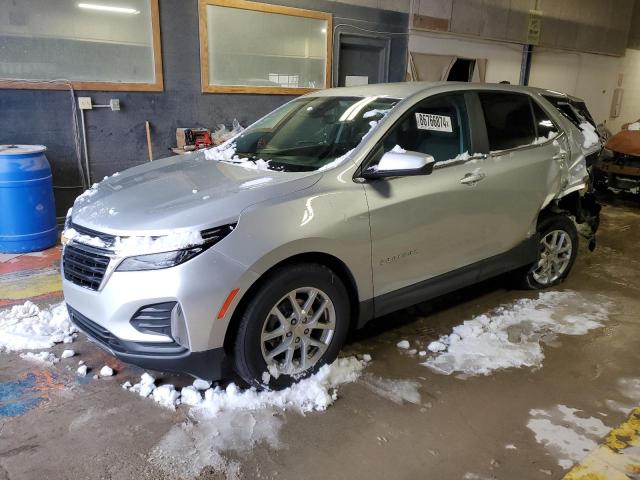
x: 27, y: 209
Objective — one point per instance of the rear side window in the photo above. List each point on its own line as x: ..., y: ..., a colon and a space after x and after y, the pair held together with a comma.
x: 436, y: 126
x: 575, y: 112
x: 509, y: 120
x: 545, y: 127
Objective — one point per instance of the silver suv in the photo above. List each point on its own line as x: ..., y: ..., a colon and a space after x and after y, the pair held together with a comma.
x: 340, y: 206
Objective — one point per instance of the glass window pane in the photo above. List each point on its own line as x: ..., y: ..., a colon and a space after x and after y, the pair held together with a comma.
x: 544, y: 125
x: 311, y: 132
x: 253, y: 48
x: 509, y: 120
x: 79, y: 41
x: 436, y: 127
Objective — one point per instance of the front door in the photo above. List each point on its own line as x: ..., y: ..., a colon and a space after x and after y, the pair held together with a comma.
x: 424, y: 226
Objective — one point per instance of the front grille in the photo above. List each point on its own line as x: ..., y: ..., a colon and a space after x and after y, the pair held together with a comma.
x: 107, y: 239
x: 155, y: 319
x: 104, y: 337
x: 84, y: 266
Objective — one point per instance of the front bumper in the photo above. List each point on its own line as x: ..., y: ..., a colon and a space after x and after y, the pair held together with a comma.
x: 199, y: 286
x: 160, y: 356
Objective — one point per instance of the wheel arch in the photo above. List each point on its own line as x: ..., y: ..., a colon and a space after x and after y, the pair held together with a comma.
x: 330, y: 261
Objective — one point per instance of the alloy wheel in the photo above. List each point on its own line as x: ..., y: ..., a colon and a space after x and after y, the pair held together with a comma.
x: 298, y: 331
x: 555, y: 256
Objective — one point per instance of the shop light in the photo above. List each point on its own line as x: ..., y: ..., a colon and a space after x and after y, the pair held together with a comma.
x: 108, y: 8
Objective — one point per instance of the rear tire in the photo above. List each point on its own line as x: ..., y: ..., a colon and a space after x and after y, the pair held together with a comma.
x: 558, y: 251
x: 292, y: 340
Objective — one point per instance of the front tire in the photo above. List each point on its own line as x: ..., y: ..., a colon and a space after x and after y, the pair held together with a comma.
x: 296, y: 322
x: 558, y: 250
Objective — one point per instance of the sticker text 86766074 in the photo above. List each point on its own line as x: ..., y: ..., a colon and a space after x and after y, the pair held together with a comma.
x: 438, y: 123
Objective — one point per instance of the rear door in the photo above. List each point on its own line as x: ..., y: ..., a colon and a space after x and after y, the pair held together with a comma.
x: 524, y: 167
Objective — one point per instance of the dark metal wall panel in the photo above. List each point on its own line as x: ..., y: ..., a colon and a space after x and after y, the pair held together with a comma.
x: 116, y: 140
x: 586, y: 25
x: 497, y: 19
x: 634, y: 31
x: 594, y: 26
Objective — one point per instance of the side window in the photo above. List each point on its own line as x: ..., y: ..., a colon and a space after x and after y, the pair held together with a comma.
x: 436, y: 126
x: 544, y: 126
x: 509, y: 120
x: 566, y: 109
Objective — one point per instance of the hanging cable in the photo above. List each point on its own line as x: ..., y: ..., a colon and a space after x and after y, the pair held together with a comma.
x: 16, y: 82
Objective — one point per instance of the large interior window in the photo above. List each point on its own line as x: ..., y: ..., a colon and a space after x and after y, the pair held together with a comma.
x: 509, y: 120
x: 249, y: 47
x: 96, y: 45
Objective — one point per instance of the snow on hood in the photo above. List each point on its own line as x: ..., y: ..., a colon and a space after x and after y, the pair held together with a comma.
x: 180, y: 195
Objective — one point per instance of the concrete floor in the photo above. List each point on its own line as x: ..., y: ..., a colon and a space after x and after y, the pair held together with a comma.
x: 80, y: 429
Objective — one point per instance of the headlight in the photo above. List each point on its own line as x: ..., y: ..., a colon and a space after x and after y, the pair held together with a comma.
x: 157, y: 261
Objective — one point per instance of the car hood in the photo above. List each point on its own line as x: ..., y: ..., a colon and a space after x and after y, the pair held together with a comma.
x: 184, y: 192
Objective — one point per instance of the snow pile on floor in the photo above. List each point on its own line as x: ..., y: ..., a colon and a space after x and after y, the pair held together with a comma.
x: 201, y: 442
x: 397, y: 390
x: 40, y: 357
x: 629, y: 388
x: 567, y: 436
x: 315, y: 393
x: 28, y: 327
x: 511, y: 336
x: 590, y: 135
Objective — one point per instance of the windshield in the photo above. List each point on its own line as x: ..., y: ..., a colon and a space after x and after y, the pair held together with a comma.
x: 311, y: 132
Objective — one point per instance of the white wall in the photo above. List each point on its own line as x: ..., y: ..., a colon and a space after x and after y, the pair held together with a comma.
x: 588, y: 76
x: 503, y: 59
x: 630, y: 70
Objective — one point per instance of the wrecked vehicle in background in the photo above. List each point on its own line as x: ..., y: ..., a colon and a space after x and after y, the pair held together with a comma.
x: 340, y: 206
x: 618, y: 167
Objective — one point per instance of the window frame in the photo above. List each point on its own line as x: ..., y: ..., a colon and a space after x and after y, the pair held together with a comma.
x: 533, y: 121
x: 206, y: 87
x: 378, y: 149
x: 97, y: 85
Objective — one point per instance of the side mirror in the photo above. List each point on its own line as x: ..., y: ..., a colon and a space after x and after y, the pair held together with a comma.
x: 400, y: 164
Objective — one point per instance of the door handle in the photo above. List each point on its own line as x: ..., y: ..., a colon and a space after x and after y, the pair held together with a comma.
x: 559, y: 156
x: 472, y: 178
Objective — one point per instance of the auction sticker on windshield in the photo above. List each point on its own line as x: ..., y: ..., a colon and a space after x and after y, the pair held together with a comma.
x: 439, y: 123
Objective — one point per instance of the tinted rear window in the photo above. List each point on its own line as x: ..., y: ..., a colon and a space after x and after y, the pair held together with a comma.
x: 509, y: 120
x: 575, y: 112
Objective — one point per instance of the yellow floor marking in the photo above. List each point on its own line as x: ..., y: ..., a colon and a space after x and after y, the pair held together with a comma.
x: 24, y: 287
x: 618, y: 458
